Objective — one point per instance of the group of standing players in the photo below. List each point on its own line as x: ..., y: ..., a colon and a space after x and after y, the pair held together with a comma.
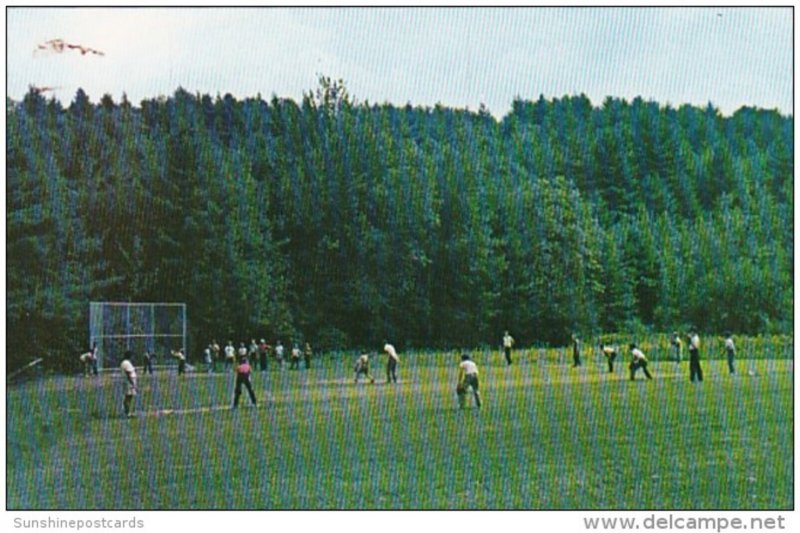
x: 468, y: 374
x: 236, y: 360
x: 638, y: 358
x: 257, y: 353
x: 468, y: 370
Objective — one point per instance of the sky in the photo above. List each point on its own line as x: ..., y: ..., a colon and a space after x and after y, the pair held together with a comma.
x: 459, y: 57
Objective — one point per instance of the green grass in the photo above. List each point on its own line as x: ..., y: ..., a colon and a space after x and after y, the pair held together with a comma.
x: 548, y: 437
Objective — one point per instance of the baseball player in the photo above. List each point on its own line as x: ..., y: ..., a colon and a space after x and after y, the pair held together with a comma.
x: 131, y: 386
x: 362, y: 367
x: 391, y: 363
x: 467, y: 378
x: 638, y: 361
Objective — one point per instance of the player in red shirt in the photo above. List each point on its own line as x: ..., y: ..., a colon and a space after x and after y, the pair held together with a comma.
x: 243, y: 378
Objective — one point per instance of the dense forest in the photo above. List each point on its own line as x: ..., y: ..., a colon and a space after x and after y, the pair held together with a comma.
x: 347, y: 222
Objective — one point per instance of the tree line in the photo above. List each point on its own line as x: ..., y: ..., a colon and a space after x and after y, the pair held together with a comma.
x: 348, y: 223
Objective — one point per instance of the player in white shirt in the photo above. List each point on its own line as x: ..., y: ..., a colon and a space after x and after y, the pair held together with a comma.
x: 89, y: 361
x: 362, y: 367
x: 508, y: 343
x: 252, y: 352
x: 86, y: 361
x: 638, y: 361
x: 694, y: 357
x: 181, y: 357
x: 467, y: 378
x: 391, y: 363
x: 230, y: 355
x: 279, y: 353
x: 730, y: 351
x: 130, y: 383
x: 294, y: 360
x: 207, y: 358
x: 610, y: 353
x: 94, y: 358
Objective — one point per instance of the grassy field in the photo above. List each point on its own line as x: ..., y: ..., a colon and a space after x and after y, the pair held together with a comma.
x: 548, y: 437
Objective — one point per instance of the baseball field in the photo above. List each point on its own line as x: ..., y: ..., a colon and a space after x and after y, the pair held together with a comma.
x: 548, y: 436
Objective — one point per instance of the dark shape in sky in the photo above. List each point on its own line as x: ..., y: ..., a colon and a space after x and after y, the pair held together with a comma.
x: 59, y: 45
x: 43, y: 89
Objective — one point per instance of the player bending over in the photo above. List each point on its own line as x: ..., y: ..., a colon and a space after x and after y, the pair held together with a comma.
x: 638, y: 361
x: 362, y: 367
x: 181, y: 357
x: 467, y: 377
x: 391, y: 363
x: 610, y: 353
x: 130, y: 383
x: 86, y: 361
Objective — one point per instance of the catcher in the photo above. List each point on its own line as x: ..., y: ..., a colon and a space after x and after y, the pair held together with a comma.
x: 467, y: 377
x: 362, y: 367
